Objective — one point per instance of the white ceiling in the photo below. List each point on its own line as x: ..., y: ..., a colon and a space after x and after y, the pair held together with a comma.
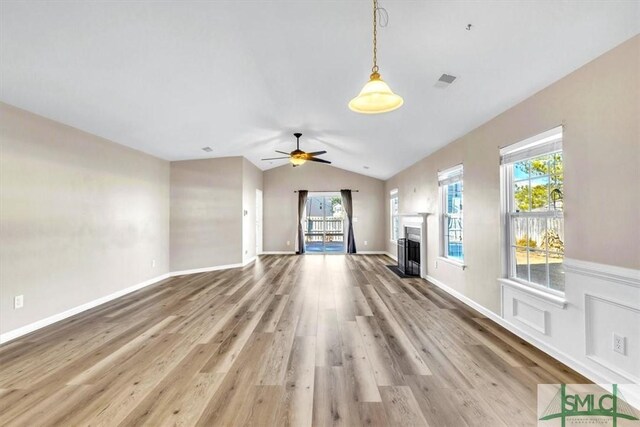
x: 169, y: 78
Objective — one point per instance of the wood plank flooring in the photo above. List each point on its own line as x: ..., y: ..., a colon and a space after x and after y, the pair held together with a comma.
x: 287, y: 340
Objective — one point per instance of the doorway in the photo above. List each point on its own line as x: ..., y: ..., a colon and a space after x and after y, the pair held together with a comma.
x: 258, y: 222
x: 324, y: 223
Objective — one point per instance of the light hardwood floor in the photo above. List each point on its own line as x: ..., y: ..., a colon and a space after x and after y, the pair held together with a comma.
x: 288, y: 340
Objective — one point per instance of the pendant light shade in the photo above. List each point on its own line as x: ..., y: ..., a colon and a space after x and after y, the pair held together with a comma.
x: 375, y: 97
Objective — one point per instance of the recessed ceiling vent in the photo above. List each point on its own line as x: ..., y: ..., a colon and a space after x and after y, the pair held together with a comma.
x: 207, y: 149
x: 445, y: 80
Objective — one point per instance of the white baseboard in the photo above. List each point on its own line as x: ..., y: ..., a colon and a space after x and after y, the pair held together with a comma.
x: 392, y: 256
x: 214, y: 268
x: 293, y: 253
x: 468, y: 301
x: 596, y: 377
x: 23, y: 330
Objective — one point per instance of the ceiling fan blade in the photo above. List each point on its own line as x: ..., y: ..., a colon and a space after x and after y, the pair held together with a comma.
x: 316, y: 153
x: 276, y: 158
x: 282, y: 152
x: 314, y: 159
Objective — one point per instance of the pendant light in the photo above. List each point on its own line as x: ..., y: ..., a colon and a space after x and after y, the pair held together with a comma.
x: 376, y: 96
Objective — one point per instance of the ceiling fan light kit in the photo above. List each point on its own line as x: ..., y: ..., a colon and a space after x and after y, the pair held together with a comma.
x: 376, y: 96
x: 298, y: 157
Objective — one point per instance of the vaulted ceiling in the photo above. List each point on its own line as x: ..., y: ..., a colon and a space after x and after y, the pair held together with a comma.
x: 169, y: 78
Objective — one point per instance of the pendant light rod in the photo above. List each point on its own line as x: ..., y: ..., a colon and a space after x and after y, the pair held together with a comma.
x: 374, y: 69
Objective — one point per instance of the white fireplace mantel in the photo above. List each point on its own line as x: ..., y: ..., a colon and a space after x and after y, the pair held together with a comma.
x: 416, y: 214
x: 417, y: 220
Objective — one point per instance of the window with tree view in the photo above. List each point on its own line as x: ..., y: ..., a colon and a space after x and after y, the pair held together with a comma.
x: 451, y: 185
x: 453, y: 222
x: 535, y: 217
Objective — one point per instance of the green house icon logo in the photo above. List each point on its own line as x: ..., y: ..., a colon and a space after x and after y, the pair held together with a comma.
x: 583, y: 406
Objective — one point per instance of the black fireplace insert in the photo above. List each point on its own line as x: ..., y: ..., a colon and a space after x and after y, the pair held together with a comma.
x: 409, y: 253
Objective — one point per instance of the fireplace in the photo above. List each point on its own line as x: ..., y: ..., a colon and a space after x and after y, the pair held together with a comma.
x: 412, y: 247
x: 409, y: 252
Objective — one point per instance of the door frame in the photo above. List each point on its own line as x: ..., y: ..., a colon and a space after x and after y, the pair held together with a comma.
x: 324, y: 195
x: 259, y: 222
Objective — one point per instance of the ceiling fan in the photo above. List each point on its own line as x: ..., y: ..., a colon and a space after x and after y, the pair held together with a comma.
x: 298, y: 157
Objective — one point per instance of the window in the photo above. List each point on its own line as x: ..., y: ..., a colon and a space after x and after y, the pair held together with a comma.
x: 533, y: 185
x: 451, y: 188
x: 394, y: 215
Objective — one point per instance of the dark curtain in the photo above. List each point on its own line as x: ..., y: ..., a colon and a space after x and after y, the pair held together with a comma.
x: 348, y: 208
x: 302, y: 202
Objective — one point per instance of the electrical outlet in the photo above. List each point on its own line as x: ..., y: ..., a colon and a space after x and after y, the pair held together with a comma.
x: 366, y: 243
x: 18, y: 301
x: 153, y: 263
x: 619, y: 344
x: 288, y: 242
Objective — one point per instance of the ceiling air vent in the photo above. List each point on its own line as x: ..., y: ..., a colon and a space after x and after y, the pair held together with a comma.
x: 207, y: 149
x: 445, y: 80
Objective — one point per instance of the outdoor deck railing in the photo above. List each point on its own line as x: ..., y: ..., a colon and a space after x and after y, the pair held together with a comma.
x: 332, y: 225
x: 331, y: 228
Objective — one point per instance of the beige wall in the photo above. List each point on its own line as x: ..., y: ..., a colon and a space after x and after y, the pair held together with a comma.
x: 80, y: 217
x: 206, y: 213
x: 281, y: 203
x: 600, y: 108
x: 251, y: 181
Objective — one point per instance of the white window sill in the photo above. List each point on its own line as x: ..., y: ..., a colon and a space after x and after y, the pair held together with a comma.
x: 536, y: 292
x: 452, y: 262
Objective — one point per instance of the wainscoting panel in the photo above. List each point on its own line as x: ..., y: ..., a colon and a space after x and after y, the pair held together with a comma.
x: 604, y: 318
x: 599, y: 301
x: 530, y: 315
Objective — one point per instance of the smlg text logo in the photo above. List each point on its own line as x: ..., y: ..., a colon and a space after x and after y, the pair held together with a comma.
x: 584, y: 405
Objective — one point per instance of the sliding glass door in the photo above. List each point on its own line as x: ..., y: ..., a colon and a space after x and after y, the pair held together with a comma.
x: 324, y: 224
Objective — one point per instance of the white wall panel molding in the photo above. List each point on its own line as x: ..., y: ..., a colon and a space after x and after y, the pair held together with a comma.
x: 601, y: 301
x: 563, y: 332
x: 624, y: 276
x: 530, y: 315
x: 604, y: 317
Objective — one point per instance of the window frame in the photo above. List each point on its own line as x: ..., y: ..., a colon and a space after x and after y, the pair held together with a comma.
x: 510, y: 212
x: 393, y: 195
x: 445, y: 179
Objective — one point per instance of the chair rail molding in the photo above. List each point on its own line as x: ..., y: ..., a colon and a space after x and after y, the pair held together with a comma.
x: 624, y: 276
